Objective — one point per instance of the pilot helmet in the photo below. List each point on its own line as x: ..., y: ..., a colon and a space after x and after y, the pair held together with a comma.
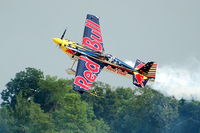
x: 108, y: 55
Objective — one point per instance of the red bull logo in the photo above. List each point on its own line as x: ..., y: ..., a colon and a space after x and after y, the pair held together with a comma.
x: 116, y: 70
x: 139, y: 79
x: 89, y: 74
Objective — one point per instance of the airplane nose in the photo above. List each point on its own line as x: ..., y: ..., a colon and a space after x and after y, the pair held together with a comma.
x: 57, y: 40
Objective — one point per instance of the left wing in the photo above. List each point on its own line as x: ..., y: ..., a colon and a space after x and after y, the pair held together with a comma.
x: 86, y: 73
x: 92, y: 34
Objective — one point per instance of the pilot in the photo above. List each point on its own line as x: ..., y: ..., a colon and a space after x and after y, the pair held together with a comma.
x: 109, y: 57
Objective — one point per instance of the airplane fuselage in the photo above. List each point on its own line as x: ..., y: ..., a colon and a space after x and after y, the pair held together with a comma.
x: 112, y: 64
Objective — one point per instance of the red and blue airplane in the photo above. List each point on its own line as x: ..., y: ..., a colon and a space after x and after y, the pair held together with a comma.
x: 92, y: 59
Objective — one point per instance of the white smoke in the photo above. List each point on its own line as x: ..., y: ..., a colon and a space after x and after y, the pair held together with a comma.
x: 178, y: 82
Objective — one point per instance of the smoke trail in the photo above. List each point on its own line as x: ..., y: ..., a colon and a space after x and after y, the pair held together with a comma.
x: 178, y: 82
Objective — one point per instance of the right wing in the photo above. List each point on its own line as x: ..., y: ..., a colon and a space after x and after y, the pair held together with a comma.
x: 86, y: 73
x: 92, y: 37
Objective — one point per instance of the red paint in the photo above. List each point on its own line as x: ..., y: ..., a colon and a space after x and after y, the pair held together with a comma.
x: 82, y: 82
x: 98, y: 38
x: 93, y: 27
x: 117, y: 70
x: 88, y: 74
x: 92, y: 66
x: 95, y: 39
x: 70, y: 51
x: 93, y: 23
x: 93, y: 44
x: 140, y: 66
x: 140, y: 79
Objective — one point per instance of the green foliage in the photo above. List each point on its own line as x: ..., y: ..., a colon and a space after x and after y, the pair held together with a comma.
x: 6, y: 120
x: 33, y: 103
x: 77, y: 117
x: 29, y: 117
x: 148, y: 111
x: 51, y: 93
x: 26, y: 82
x: 189, y: 117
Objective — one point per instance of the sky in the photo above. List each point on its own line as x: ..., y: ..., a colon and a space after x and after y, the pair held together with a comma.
x: 165, y: 31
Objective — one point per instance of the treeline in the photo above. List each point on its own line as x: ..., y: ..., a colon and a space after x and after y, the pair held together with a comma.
x: 35, y: 103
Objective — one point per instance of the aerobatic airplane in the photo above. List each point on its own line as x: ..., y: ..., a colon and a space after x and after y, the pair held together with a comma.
x: 91, y: 59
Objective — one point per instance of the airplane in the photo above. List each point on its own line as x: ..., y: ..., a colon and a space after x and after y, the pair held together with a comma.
x: 91, y: 59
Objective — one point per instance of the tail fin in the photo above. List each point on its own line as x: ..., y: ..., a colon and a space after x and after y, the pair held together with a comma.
x: 145, y: 72
x: 152, y: 72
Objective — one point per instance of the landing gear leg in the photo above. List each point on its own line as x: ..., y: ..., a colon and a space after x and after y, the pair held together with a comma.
x: 71, y: 71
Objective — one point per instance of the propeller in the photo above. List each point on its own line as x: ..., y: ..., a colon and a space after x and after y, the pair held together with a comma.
x: 59, y: 40
x: 63, y: 34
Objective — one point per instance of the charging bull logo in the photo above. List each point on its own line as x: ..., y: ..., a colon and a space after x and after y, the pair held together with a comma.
x: 139, y: 80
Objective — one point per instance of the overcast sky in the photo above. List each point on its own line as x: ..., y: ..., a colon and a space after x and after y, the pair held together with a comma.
x: 165, y: 31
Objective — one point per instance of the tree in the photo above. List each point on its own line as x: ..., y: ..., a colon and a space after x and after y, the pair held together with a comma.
x: 110, y: 102
x: 34, y: 104
x: 147, y: 111
x: 189, y: 118
x: 6, y: 120
x: 77, y: 117
x: 30, y: 118
x: 25, y: 117
x: 52, y: 92
x: 25, y: 82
